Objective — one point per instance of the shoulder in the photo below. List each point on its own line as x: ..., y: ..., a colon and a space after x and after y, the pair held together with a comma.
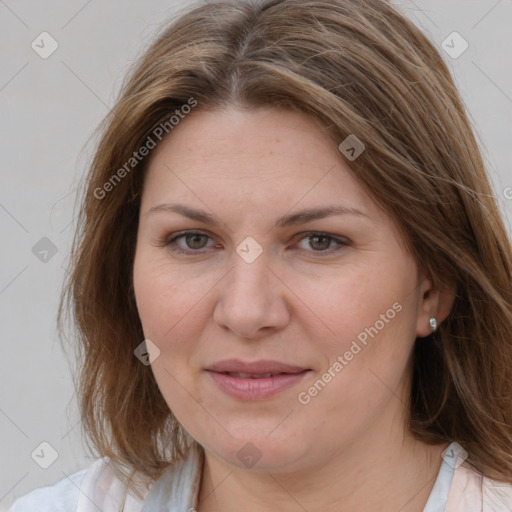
x: 89, y: 490
x: 471, y: 491
x: 496, y: 495
x: 61, y: 496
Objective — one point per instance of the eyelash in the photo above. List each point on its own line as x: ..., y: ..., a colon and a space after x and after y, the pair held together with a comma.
x: 170, y: 243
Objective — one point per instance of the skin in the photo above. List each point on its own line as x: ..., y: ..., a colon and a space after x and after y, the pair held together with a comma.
x: 303, y: 301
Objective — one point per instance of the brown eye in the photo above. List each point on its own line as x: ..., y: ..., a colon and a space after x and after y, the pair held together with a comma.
x: 195, y: 240
x: 322, y: 243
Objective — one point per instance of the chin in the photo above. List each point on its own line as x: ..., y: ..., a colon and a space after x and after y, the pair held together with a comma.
x: 255, y: 449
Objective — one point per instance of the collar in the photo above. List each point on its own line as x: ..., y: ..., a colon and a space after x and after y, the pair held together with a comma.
x: 177, y: 489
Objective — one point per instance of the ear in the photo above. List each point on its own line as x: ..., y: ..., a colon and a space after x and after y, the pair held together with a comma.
x: 436, y: 300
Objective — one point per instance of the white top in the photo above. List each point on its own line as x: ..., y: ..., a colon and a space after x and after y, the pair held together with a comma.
x: 458, y: 488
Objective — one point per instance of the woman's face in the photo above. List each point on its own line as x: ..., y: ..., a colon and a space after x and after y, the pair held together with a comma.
x: 329, y: 304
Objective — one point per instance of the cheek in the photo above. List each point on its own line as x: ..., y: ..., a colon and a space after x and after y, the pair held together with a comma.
x: 368, y: 315
x: 167, y: 300
x: 154, y: 298
x: 366, y: 359
x: 168, y: 309
x: 351, y: 300
x: 173, y: 307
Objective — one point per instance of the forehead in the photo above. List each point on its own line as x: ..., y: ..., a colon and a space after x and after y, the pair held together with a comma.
x: 237, y: 135
x: 271, y: 154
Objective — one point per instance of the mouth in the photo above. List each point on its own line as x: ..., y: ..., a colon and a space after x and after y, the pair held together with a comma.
x: 254, y: 368
x: 256, y: 380
x: 252, y: 375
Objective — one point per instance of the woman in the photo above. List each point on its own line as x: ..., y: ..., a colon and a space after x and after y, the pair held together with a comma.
x: 291, y: 282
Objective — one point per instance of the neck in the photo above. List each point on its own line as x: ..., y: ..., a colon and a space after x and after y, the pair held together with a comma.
x: 369, y: 475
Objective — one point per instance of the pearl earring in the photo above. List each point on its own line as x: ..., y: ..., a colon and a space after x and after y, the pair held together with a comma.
x: 433, y: 323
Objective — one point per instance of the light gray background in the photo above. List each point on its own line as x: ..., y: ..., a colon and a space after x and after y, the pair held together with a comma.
x: 49, y: 109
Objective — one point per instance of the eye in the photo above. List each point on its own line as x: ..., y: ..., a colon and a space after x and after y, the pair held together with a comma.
x: 321, y: 242
x: 194, y: 241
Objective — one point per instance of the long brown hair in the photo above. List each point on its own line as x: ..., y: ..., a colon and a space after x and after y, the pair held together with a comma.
x: 361, y: 68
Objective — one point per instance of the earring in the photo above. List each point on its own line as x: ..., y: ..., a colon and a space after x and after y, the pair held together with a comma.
x: 433, y: 323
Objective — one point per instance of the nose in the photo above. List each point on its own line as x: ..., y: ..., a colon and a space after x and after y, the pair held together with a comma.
x: 252, y: 300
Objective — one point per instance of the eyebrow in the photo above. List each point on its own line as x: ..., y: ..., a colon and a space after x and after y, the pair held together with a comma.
x: 300, y: 217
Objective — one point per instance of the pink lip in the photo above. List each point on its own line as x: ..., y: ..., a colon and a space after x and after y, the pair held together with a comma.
x: 263, y: 366
x: 248, y: 388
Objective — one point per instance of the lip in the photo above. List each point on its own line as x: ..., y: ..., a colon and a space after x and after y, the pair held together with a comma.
x: 250, y: 388
x: 262, y: 366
